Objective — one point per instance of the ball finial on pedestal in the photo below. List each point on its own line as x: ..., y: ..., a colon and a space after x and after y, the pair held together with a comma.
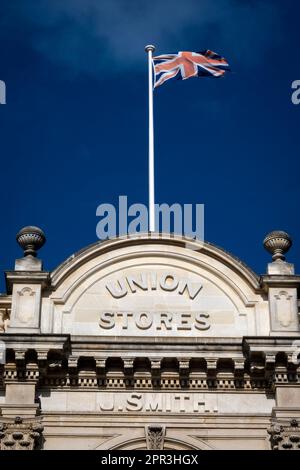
x: 277, y: 243
x: 31, y: 239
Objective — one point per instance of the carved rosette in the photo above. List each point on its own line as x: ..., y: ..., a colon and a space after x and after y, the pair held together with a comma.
x: 21, y: 434
x: 285, y: 436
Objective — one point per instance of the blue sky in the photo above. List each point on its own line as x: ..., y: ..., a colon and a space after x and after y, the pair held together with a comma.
x: 74, y: 129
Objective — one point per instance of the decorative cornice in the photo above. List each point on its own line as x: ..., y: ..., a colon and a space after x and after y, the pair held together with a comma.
x: 37, y: 342
x: 212, y: 363
x: 26, y: 277
x: 279, y: 280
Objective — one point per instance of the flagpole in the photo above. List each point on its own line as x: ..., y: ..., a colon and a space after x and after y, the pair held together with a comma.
x: 149, y: 49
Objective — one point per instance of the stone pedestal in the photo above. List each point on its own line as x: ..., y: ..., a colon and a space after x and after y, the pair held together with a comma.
x: 26, y: 288
x: 281, y: 285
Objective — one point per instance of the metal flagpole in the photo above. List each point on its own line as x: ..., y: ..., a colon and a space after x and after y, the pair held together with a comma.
x: 149, y: 49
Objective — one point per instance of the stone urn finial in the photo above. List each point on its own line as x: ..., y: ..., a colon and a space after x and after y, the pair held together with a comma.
x: 277, y: 243
x: 31, y: 239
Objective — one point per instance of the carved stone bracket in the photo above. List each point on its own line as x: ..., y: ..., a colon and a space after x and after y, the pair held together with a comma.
x: 101, y: 368
x: 184, y: 370
x: 211, y: 366
x: 20, y: 356
x: 72, y: 363
x: 155, y: 366
x: 239, y: 366
x: 184, y: 366
x: 42, y: 355
x: 20, y: 434
x: 285, y: 436
x: 239, y: 371
x: 128, y: 366
x: 155, y: 436
x: 270, y: 362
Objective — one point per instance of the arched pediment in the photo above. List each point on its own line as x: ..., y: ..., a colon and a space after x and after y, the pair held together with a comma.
x: 172, y: 441
x: 152, y: 283
x: 94, y: 250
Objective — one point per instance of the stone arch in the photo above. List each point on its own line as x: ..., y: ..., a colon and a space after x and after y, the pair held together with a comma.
x: 169, y: 444
x: 83, y: 280
x: 74, y: 262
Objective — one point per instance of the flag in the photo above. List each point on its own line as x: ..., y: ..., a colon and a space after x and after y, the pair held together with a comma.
x: 185, y: 65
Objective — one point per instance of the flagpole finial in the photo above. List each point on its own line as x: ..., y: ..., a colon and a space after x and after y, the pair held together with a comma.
x: 150, y: 47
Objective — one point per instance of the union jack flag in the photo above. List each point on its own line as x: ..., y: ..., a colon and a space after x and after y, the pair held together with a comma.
x: 188, y: 64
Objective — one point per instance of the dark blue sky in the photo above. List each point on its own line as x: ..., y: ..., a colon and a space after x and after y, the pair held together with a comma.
x: 74, y: 129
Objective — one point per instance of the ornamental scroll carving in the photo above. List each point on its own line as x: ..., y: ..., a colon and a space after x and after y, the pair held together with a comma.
x: 285, y: 436
x: 20, y: 434
x: 4, y: 317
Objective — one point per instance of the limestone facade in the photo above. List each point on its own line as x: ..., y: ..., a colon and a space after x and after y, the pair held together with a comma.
x: 150, y: 342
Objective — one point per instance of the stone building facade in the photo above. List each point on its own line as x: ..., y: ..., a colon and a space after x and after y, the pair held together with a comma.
x: 150, y: 342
